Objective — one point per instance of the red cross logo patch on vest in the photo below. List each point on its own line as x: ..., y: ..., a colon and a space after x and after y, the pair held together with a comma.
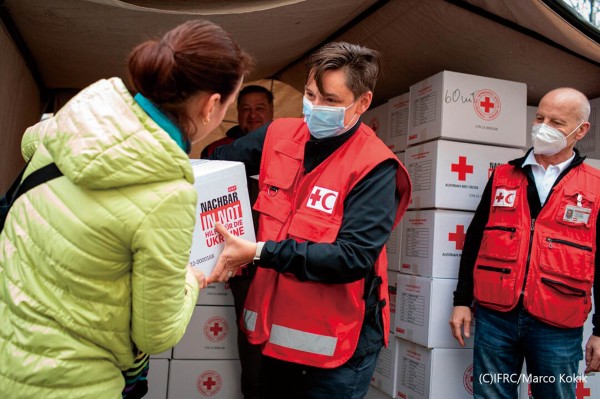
x: 505, y: 198
x: 322, y: 199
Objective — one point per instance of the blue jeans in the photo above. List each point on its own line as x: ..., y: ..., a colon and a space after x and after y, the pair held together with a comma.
x: 504, y: 339
x: 287, y: 380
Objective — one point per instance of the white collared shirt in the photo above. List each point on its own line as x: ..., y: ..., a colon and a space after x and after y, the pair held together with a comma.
x: 545, y: 178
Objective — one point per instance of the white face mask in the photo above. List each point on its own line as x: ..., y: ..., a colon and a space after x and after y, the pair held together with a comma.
x: 547, y: 140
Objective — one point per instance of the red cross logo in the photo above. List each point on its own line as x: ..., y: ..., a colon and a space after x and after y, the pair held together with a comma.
x: 499, y: 197
x: 216, y: 329
x: 487, y: 105
x: 462, y: 168
x: 209, y: 383
x: 322, y: 199
x: 458, y: 237
x: 581, y: 391
x: 315, y: 197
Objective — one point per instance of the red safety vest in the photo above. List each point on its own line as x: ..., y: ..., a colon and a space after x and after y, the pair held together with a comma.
x: 308, y: 322
x: 550, y: 260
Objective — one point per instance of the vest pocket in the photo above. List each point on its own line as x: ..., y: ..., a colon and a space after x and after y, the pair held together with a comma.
x: 500, y: 243
x: 565, y: 257
x: 494, y: 284
x: 560, y: 300
x: 306, y: 228
x: 577, y: 209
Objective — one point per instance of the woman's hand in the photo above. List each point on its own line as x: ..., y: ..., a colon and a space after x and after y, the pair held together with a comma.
x: 200, y: 277
x: 236, y: 254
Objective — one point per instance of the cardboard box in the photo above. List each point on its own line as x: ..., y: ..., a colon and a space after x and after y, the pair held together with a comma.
x: 158, y: 379
x: 218, y: 379
x: 434, y: 373
x: 392, y: 291
x: 468, y: 108
x: 222, y: 197
x: 168, y: 354
x: 452, y: 175
x: 423, y: 308
x: 377, y: 119
x: 211, y: 334
x: 398, y: 114
x: 531, y: 111
x: 393, y: 246
x: 374, y: 393
x: 386, y: 370
x: 590, y: 144
x: 433, y: 241
x: 217, y: 294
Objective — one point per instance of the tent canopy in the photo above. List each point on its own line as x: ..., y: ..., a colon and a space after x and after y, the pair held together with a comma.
x: 71, y: 43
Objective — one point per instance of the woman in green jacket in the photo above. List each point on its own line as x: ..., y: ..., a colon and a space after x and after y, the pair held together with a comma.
x: 94, y: 264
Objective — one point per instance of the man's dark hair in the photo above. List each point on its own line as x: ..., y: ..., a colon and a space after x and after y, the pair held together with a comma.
x: 256, y: 89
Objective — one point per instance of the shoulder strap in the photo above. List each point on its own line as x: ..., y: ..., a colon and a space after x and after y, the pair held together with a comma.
x: 36, y: 178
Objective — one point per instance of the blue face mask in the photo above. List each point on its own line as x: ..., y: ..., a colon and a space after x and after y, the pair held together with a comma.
x: 324, y: 121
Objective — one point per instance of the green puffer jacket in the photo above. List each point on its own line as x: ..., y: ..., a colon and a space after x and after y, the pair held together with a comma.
x: 95, y: 261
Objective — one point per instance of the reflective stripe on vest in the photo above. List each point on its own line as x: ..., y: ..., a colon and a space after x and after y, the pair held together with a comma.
x: 302, y: 340
x: 250, y: 319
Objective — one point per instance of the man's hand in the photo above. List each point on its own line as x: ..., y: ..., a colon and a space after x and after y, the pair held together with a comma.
x: 592, y: 354
x: 460, y: 320
x: 237, y: 253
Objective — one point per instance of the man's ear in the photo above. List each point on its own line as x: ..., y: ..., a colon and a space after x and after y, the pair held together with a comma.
x: 364, y: 101
x: 583, y: 129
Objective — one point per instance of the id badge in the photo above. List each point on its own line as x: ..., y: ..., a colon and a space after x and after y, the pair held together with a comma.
x: 577, y: 214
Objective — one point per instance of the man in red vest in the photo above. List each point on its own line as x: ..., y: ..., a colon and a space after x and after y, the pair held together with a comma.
x: 530, y: 262
x: 254, y: 109
x: 330, y: 194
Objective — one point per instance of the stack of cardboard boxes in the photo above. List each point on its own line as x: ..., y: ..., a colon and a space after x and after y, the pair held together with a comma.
x: 205, y: 362
x: 459, y: 128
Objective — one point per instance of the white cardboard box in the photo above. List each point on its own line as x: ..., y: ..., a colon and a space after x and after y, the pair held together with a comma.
x: 452, y: 175
x: 531, y: 111
x: 434, y: 373
x: 423, y: 308
x: 590, y: 144
x: 158, y: 379
x: 374, y: 393
x: 392, y: 291
x: 163, y: 355
x: 218, y: 294
x: 433, y: 241
x: 468, y: 108
x: 211, y: 334
x: 386, y: 373
x: 377, y: 119
x: 398, y: 111
x: 393, y: 246
x: 219, y: 379
x: 222, y: 197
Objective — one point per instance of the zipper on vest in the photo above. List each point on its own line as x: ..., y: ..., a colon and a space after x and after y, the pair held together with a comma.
x: 569, y: 243
x: 563, y: 288
x: 503, y: 270
x: 531, y: 229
